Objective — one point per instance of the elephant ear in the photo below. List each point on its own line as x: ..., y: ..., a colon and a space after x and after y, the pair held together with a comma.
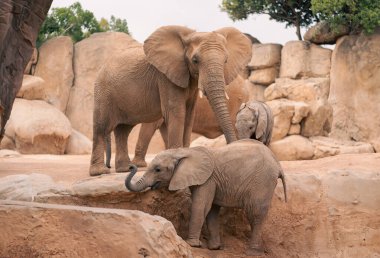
x: 195, y: 167
x: 239, y: 49
x: 268, y: 135
x: 261, y: 117
x: 165, y: 50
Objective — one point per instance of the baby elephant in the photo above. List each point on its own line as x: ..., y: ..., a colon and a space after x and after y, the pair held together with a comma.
x: 242, y: 174
x: 254, y: 120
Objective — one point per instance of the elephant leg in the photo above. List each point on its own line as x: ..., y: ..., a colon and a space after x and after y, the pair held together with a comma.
x: 164, y: 133
x: 256, y: 217
x: 145, y: 136
x: 202, y: 198
x: 189, y: 119
x: 213, y: 228
x: 97, y: 166
x: 121, y: 138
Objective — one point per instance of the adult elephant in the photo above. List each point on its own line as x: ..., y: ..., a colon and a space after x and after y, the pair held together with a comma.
x: 161, y: 79
x: 205, y: 122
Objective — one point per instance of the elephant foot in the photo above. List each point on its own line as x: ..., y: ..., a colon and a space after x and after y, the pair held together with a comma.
x: 255, y: 252
x: 122, y: 166
x: 122, y: 169
x: 98, y: 170
x: 194, y: 242
x: 139, y: 162
x: 214, y: 245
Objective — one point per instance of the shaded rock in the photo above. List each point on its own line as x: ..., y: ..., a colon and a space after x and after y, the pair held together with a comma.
x: 28, y: 187
x: 306, y: 90
x: 55, y: 66
x: 37, y: 127
x: 355, y: 91
x: 90, y: 54
x: 322, y: 33
x: 82, y: 231
x: 78, y: 144
x: 303, y: 59
x: 265, y: 55
x: 7, y: 143
x: 32, y: 88
x: 264, y: 76
x: 294, y: 147
x: 19, y: 26
x: 319, y: 120
x: 283, y: 112
x: 31, y: 66
x: 324, y: 147
x: 255, y: 91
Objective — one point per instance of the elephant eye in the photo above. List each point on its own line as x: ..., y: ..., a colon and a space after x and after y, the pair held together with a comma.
x: 194, y: 60
x: 157, y: 169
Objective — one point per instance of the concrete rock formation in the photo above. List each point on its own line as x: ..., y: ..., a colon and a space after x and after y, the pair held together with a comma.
x: 321, y: 33
x: 32, y: 88
x: 355, y: 89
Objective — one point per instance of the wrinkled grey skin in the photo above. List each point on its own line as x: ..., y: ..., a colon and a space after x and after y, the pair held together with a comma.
x: 242, y: 174
x: 255, y: 121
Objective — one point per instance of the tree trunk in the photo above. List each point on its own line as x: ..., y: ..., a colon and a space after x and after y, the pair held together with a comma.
x: 18, y: 34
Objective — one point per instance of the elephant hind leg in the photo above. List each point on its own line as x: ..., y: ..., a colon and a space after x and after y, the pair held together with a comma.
x: 122, y: 160
x: 213, y: 228
x: 256, y: 216
x: 97, y: 166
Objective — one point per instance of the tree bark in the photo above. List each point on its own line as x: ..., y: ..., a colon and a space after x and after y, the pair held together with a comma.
x: 20, y: 21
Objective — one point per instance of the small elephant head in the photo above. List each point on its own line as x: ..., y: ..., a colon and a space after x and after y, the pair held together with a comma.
x: 211, y: 59
x: 254, y: 121
x: 175, y: 169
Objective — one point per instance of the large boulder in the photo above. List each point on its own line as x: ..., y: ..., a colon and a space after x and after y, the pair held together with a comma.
x: 90, y: 55
x: 355, y: 89
x: 303, y: 59
x: 32, y: 88
x: 44, y: 230
x: 37, y: 127
x: 265, y: 55
x: 307, y: 90
x: 322, y: 33
x: 78, y: 144
x: 264, y: 76
x: 55, y: 66
x: 294, y: 147
x: 319, y: 120
x: 255, y: 91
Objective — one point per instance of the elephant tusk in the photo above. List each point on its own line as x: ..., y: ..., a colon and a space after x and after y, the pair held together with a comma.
x: 227, y: 97
x: 201, y: 94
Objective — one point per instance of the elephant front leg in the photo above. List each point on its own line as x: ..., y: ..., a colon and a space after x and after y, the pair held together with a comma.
x: 213, y: 228
x: 202, y: 197
x: 97, y: 166
x: 189, y: 119
x: 122, y: 160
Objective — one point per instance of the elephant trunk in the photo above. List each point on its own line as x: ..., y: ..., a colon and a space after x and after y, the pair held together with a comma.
x: 213, y: 83
x: 134, y: 187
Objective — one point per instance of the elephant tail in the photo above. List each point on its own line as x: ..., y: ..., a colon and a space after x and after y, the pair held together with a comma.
x: 108, y: 150
x: 282, y: 177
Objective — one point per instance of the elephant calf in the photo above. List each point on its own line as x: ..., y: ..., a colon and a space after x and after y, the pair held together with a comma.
x: 242, y: 174
x: 255, y: 121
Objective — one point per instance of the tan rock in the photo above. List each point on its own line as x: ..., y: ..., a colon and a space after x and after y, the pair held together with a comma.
x: 264, y: 76
x: 324, y: 147
x: 301, y: 110
x: 318, y: 122
x: 255, y: 91
x: 7, y: 143
x: 78, y: 144
x: 294, y: 129
x: 294, y: 147
x: 90, y: 55
x: 86, y: 232
x: 306, y: 90
x: 209, y: 143
x: 55, y: 66
x: 37, y: 127
x: 303, y: 59
x: 284, y: 112
x: 355, y: 91
x: 31, y: 66
x: 7, y: 153
x: 32, y: 88
x: 265, y: 55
